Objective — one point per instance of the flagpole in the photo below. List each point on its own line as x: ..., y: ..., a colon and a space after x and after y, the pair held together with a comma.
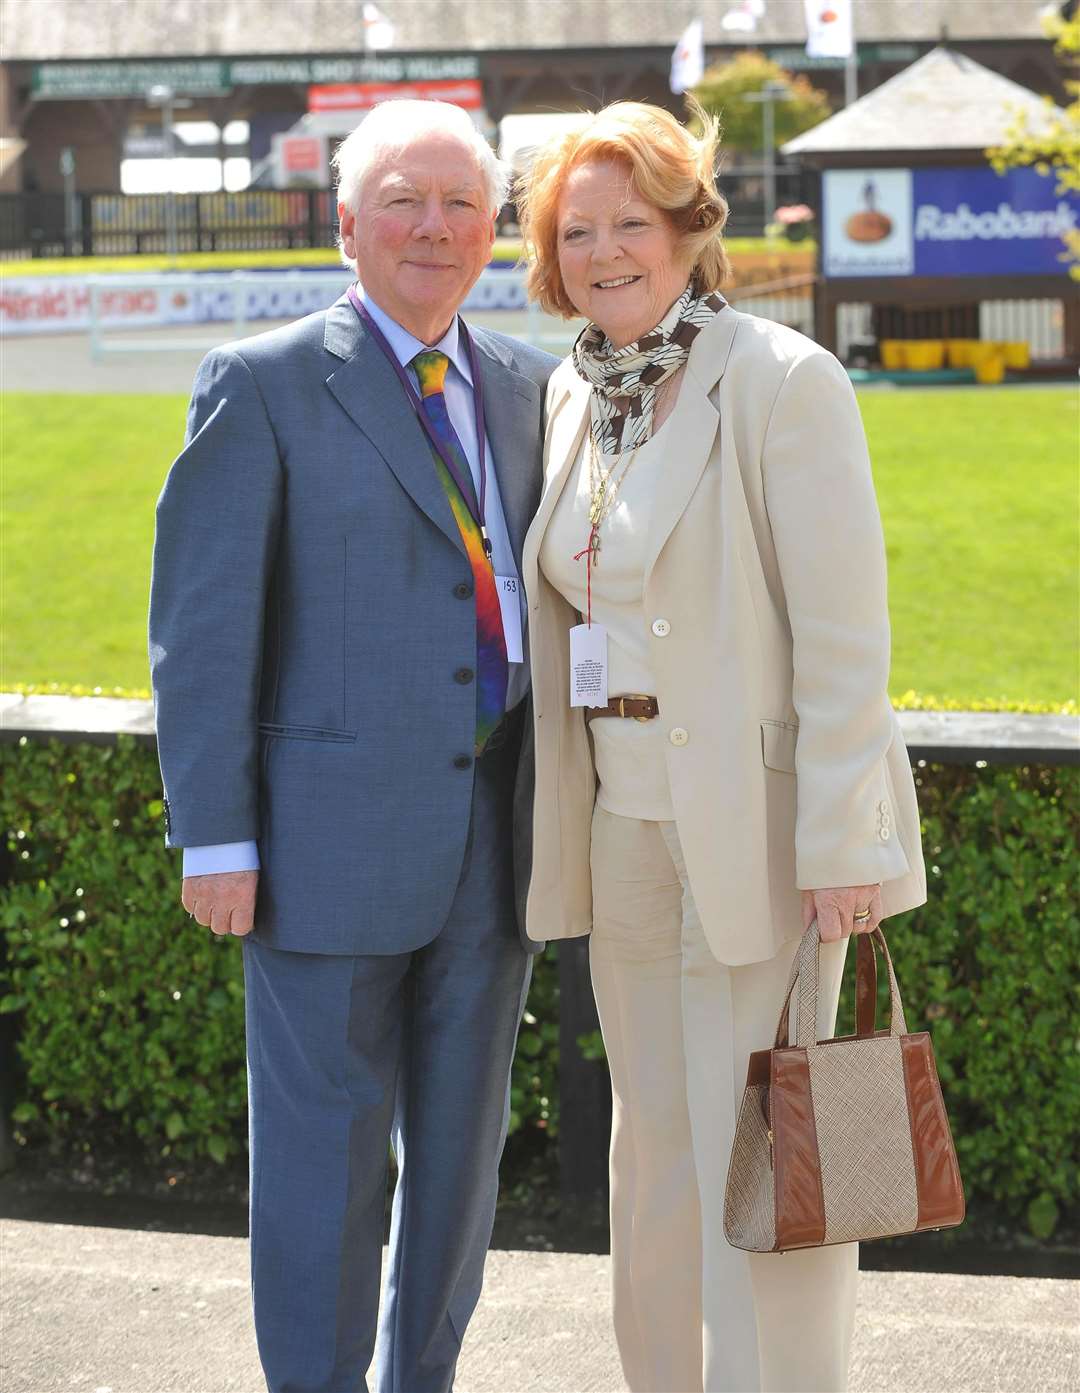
x: 851, y: 66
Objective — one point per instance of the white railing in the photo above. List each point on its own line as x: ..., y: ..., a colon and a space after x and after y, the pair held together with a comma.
x: 165, y: 308
x: 156, y: 313
x: 170, y: 302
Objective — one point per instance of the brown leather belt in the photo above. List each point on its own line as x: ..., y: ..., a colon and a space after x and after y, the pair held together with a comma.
x: 641, y: 708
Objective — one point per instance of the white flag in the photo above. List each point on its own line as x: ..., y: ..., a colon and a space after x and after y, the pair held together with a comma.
x: 378, y: 31
x: 743, y: 17
x: 688, y: 60
x: 829, y: 32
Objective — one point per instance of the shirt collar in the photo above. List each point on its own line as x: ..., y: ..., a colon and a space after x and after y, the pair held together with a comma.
x: 405, y: 347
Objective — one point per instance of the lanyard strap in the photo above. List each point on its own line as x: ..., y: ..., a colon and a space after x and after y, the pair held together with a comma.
x: 464, y: 488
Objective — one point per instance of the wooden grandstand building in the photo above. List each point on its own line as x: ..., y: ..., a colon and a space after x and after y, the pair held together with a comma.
x: 76, y: 76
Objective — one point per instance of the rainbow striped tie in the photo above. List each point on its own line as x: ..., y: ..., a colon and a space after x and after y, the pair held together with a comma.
x: 492, y: 669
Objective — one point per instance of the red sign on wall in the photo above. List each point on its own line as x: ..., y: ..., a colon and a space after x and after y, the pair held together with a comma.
x: 362, y: 96
x: 303, y: 153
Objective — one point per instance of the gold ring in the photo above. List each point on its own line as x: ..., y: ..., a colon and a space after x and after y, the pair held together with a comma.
x: 861, y: 916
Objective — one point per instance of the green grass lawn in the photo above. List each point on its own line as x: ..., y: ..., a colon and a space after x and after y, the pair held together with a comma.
x: 979, y: 492
x: 980, y: 499
x: 80, y: 478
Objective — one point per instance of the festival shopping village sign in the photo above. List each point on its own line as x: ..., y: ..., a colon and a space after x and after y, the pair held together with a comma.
x: 944, y: 222
x: 202, y: 77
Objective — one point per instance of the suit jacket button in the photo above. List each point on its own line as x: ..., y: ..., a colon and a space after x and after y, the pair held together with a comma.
x: 661, y: 628
x: 884, y: 834
x: 463, y: 761
x: 464, y: 675
x: 463, y: 591
x: 679, y: 736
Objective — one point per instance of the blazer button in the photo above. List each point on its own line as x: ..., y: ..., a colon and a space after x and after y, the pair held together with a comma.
x: 661, y: 628
x: 463, y: 591
x: 678, y: 736
x: 883, y: 807
x: 463, y: 761
x: 884, y: 834
x: 464, y: 675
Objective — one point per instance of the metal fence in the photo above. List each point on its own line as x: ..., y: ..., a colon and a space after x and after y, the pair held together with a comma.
x: 116, y: 224
x: 1040, y: 324
x: 787, y: 301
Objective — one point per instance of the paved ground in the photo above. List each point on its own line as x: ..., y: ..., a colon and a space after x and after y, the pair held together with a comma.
x: 122, y: 1311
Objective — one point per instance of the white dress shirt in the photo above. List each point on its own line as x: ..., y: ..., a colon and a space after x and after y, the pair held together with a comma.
x: 457, y: 389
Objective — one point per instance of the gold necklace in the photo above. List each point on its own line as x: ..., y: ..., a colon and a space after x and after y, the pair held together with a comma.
x: 604, y: 486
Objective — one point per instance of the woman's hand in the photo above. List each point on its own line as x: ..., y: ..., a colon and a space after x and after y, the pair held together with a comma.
x: 839, y: 912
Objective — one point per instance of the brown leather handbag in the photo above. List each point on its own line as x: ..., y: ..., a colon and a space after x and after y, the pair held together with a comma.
x: 845, y: 1139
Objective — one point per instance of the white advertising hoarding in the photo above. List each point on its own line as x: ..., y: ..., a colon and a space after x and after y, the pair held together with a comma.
x: 868, y: 222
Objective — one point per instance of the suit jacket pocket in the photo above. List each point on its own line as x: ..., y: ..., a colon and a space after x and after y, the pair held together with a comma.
x: 281, y: 732
x: 778, y: 745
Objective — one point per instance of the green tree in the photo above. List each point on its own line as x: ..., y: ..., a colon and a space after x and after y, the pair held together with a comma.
x: 1055, y: 148
x: 723, y: 89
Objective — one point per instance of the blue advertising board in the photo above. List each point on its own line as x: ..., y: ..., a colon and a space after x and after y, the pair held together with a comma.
x: 944, y: 222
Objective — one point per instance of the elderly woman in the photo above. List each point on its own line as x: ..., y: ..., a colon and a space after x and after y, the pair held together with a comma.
x: 708, y: 531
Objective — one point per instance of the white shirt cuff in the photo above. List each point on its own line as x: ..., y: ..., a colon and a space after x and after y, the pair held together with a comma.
x: 213, y: 860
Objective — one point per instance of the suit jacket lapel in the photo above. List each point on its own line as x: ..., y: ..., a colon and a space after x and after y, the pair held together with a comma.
x: 566, y: 426
x: 512, y: 416
x: 367, y: 388
x: 697, y: 423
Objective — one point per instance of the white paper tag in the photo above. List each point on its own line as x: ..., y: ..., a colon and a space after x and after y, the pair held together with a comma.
x: 509, y: 588
x: 588, y: 665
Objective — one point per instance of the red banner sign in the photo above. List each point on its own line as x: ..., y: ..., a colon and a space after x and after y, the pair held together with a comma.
x: 302, y: 154
x: 362, y: 96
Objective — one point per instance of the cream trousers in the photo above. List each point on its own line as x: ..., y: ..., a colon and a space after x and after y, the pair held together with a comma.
x: 692, y: 1314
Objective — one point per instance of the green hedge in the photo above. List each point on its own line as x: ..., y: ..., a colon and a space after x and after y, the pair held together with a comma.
x: 131, y: 1018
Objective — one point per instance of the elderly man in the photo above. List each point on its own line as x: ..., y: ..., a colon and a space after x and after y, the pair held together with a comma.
x: 336, y: 645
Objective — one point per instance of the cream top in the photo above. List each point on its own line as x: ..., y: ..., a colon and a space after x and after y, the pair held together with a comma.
x: 630, y: 756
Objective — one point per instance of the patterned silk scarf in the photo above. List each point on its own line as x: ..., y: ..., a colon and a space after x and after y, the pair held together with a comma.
x: 492, y: 670
x: 624, y: 380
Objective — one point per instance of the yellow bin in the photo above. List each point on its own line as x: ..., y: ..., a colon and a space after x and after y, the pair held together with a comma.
x: 892, y: 354
x: 990, y: 369
x: 925, y: 355
x: 1017, y: 355
x: 959, y: 352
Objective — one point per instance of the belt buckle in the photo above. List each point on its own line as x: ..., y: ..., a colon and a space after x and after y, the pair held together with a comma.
x: 634, y: 696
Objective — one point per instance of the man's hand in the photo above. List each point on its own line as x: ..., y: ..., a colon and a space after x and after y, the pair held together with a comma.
x: 836, y: 910
x: 225, y: 902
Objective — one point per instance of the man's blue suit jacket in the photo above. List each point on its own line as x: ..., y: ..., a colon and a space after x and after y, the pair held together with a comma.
x: 311, y: 610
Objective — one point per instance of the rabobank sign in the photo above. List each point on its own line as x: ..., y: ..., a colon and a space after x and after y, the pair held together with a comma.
x: 1003, y: 223
x: 945, y: 222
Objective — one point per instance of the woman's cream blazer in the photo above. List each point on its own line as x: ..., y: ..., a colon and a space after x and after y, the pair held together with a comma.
x: 765, y: 597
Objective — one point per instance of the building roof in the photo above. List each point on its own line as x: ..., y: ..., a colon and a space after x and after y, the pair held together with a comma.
x: 41, y: 30
x: 943, y: 101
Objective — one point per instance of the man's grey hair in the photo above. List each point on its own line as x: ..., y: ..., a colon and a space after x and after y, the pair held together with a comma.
x: 395, y: 125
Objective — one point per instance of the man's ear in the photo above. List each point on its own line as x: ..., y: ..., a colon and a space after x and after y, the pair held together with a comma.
x: 347, y: 223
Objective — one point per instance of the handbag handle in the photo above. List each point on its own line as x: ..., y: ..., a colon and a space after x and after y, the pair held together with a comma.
x: 804, y: 970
